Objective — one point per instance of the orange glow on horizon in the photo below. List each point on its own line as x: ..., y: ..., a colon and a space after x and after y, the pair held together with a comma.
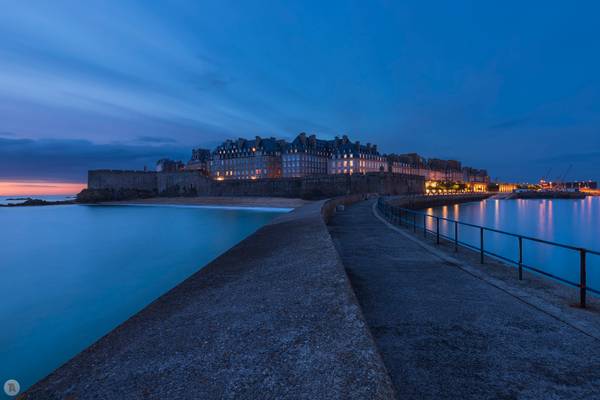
x: 39, y: 188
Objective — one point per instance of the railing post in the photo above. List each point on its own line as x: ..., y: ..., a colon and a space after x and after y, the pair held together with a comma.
x: 437, y: 230
x: 582, y: 278
x: 481, y: 244
x: 520, y: 258
x: 425, y: 226
x: 455, y: 236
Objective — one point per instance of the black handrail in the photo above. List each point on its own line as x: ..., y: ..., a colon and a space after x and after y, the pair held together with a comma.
x: 394, y: 213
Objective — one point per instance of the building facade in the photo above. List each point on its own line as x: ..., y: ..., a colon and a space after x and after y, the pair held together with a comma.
x: 200, y: 161
x: 401, y: 163
x: 581, y: 185
x: 306, y: 156
x: 475, y: 175
x: 445, y: 170
x: 353, y: 158
x: 247, y: 159
x: 168, y: 165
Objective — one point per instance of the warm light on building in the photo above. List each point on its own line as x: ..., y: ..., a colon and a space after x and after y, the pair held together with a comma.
x: 507, y: 187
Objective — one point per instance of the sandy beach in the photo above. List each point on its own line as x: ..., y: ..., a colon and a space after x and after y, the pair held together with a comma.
x: 277, y: 202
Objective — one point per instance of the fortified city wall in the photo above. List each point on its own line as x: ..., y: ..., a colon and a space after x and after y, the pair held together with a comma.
x: 106, y: 185
x: 420, y: 202
x: 119, y: 179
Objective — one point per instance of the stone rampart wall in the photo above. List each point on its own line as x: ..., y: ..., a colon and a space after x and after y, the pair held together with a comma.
x: 420, y: 202
x: 193, y: 183
x: 122, y: 180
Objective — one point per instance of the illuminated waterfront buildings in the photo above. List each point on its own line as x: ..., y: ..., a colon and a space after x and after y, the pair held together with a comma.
x: 352, y: 157
x: 247, y: 159
x: 307, y: 155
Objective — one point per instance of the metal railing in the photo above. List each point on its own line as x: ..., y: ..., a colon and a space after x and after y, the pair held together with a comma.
x: 417, y: 220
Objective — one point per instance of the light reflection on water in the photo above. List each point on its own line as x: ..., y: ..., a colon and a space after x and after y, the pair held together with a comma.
x: 570, y: 222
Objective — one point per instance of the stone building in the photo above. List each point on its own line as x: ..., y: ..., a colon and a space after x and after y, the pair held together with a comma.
x: 434, y: 169
x: 410, y: 163
x: 475, y: 175
x: 306, y: 156
x: 445, y: 170
x: 247, y: 159
x: 309, y: 156
x: 167, y: 165
x: 200, y: 161
x: 351, y: 158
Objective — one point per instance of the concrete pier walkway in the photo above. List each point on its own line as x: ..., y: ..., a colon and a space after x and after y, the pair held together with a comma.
x: 272, y: 318
x: 445, y: 334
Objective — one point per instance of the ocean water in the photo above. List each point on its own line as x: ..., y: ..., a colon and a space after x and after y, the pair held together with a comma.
x: 570, y: 222
x: 72, y: 273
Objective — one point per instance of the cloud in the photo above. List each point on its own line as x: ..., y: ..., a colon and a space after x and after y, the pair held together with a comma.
x: 70, y: 159
x: 155, y: 139
x: 25, y: 185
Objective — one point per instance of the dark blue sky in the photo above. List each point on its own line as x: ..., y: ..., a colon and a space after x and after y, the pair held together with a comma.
x: 510, y: 86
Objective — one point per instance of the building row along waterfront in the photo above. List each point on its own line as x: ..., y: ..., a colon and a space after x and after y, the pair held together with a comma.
x: 309, y: 156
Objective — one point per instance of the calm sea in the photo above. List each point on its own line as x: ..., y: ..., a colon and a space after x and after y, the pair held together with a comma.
x: 72, y: 273
x: 571, y: 222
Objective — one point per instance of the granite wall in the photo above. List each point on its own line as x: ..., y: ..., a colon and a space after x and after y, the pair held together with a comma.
x: 119, y: 180
x: 421, y: 202
x: 193, y: 183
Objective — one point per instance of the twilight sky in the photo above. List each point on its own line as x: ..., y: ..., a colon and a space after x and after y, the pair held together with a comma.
x: 511, y: 86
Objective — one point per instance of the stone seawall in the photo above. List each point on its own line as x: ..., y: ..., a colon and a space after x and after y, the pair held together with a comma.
x: 122, y: 180
x: 274, y: 317
x: 103, y: 183
x: 420, y: 202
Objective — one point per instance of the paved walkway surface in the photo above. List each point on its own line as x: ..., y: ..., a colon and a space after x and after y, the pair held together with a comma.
x: 445, y: 334
x: 272, y: 318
